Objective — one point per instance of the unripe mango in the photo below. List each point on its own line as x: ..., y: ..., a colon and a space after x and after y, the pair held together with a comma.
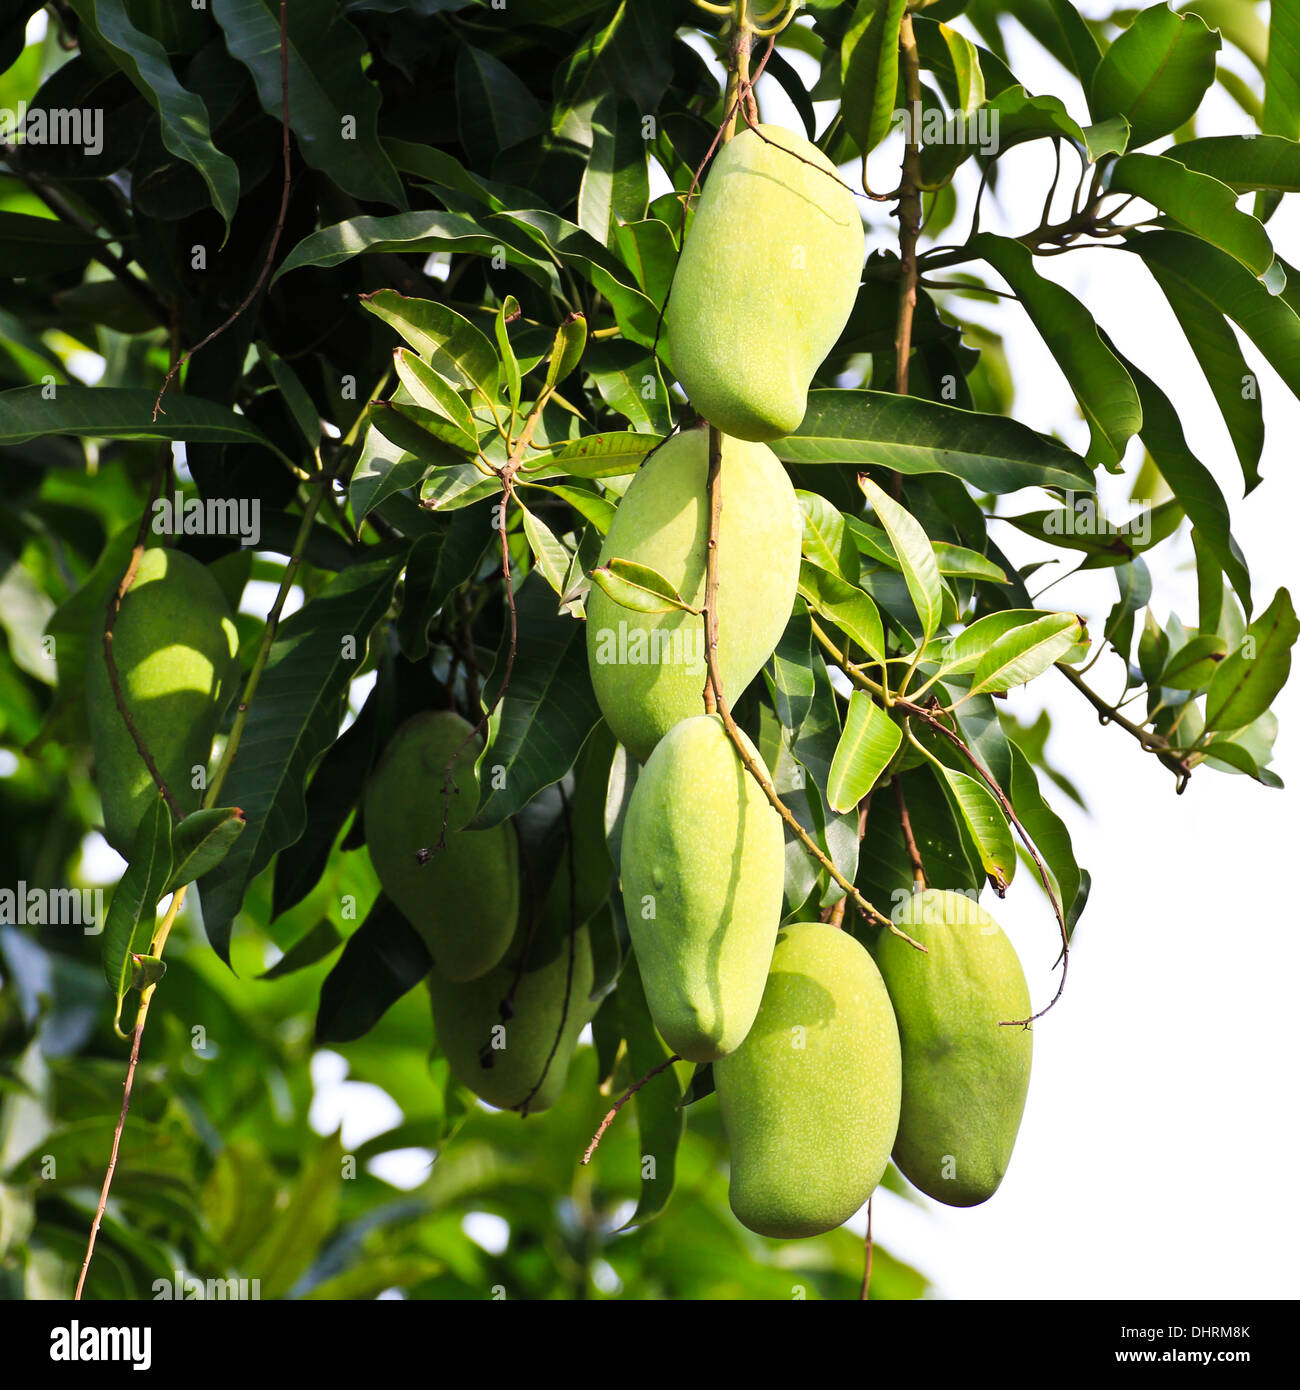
x: 766, y: 281
x: 464, y: 900
x: 470, y: 1029
x: 810, y: 1099
x: 648, y: 669
x: 175, y: 648
x: 703, y: 859
x: 964, y: 1076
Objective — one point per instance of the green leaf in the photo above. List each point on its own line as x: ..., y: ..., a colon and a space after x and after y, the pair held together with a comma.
x: 451, y: 345
x: 1023, y: 653
x: 915, y: 555
x: 495, y: 109
x: 866, y: 748
x: 509, y: 362
x: 1246, y: 163
x: 1049, y: 833
x: 594, y: 456
x: 869, y: 70
x: 407, y: 232
x: 1193, y: 484
x: 382, y: 960
x: 201, y: 841
x: 629, y: 382
x: 1248, y: 681
x: 1061, y: 29
x: 1200, y: 203
x: 1104, y: 390
x: 118, y: 412
x: 848, y: 607
x: 1019, y: 117
x: 966, y: 67
x: 548, y: 550
x: 968, y: 564
x: 333, y: 106
x: 33, y: 245
x: 432, y: 392
x: 590, y: 505
x: 615, y: 184
x: 132, y: 912
x: 183, y: 118
x: 661, y: 1119
x: 293, y: 720
x: 963, y: 652
x: 1155, y: 73
x: 299, y: 1228
x: 427, y: 436
x: 911, y: 436
x: 1203, y: 271
x: 566, y: 351
x: 1193, y: 665
x: 1282, y: 74
x: 295, y: 394
x: 547, y: 712
x: 639, y: 587
x: 987, y: 824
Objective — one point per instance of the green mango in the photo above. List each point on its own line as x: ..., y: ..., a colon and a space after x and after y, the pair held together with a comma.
x: 464, y: 900
x: 767, y: 279
x: 810, y: 1099
x: 176, y: 648
x: 964, y: 1076
x: 470, y: 1028
x: 648, y: 669
x: 703, y: 859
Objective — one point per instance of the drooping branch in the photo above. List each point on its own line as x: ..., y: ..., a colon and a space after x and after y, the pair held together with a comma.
x: 905, y: 821
x: 1150, y: 741
x: 623, y: 1100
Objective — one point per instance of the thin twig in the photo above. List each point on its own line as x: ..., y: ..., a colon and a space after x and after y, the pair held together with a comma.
x: 909, y: 213
x: 913, y: 853
x: 870, y: 1249
x: 623, y: 1100
x: 269, y: 259
x: 1151, y: 742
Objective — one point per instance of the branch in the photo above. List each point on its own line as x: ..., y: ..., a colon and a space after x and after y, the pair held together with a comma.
x: 870, y: 1248
x: 1151, y: 742
x: 909, y: 211
x: 913, y: 853
x: 623, y: 1100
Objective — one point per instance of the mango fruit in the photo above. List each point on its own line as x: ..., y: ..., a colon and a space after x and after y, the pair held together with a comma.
x: 175, y: 647
x: 470, y: 1029
x: 703, y: 859
x: 648, y: 669
x: 464, y: 900
x: 810, y: 1100
x: 964, y: 1076
x: 767, y: 279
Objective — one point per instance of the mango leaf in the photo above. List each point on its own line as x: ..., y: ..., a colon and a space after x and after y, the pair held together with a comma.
x: 869, y: 70
x: 40, y: 245
x: 788, y: 675
x: 630, y: 382
x: 1155, y: 73
x: 639, y: 587
x: 851, y: 609
x: 1246, y: 163
x: 405, y: 232
x: 333, y: 106
x: 566, y: 351
x: 432, y: 392
x: 298, y: 1229
x: 1209, y: 274
x: 615, y: 184
x: 494, y: 106
x: 866, y: 748
x: 1025, y: 652
x: 293, y: 720
x: 508, y: 311
x: 1049, y: 833
x: 915, y: 555
x: 592, y: 506
x: 660, y: 1118
x: 201, y: 841
x: 987, y: 824
x: 1104, y: 390
x: 1192, y: 666
x: 1248, y: 681
x: 991, y: 452
x: 966, y: 67
x: 1062, y: 30
x: 593, y: 456
x: 119, y: 412
x: 451, y: 345
x: 182, y: 115
x: 964, y: 651
x: 382, y: 960
x: 547, y: 712
x: 132, y: 912
x: 1198, y: 202
x: 549, y: 553
x: 825, y: 534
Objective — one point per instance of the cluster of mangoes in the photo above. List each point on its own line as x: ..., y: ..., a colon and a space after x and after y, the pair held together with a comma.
x: 825, y: 1059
